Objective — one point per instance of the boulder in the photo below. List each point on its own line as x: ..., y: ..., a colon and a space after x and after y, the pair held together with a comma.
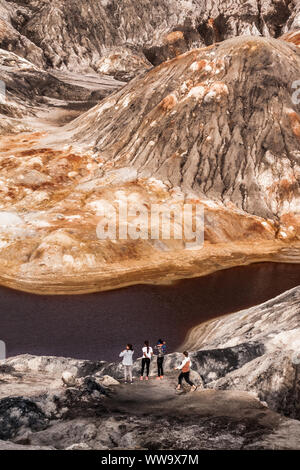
x: 107, y: 380
x: 69, y: 379
x: 20, y: 413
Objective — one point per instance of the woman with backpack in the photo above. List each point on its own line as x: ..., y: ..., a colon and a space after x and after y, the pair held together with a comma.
x: 127, y: 362
x: 160, y: 349
x: 147, y: 355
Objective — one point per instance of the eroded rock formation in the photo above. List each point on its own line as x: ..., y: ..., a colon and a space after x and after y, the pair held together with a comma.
x: 216, y: 127
x: 218, y: 121
x: 135, y: 33
x: 45, y: 97
x: 208, y: 118
x: 257, y: 347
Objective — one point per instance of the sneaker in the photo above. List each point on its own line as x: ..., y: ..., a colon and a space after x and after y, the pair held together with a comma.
x: 141, y: 378
x: 125, y: 382
x: 161, y: 377
x: 194, y: 388
x: 147, y: 378
x: 157, y: 378
x: 178, y: 387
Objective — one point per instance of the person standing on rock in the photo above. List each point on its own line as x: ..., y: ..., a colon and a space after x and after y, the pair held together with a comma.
x: 185, y: 368
x: 161, y: 351
x: 147, y: 355
x: 127, y: 362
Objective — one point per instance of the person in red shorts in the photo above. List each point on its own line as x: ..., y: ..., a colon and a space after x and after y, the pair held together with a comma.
x: 185, y: 368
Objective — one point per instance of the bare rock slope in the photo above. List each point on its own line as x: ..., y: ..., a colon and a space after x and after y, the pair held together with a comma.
x: 269, y: 335
x: 52, y: 97
x: 125, y: 37
x: 215, y: 127
x: 219, y: 121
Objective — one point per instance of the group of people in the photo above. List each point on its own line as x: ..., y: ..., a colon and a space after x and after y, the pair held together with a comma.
x: 160, y: 350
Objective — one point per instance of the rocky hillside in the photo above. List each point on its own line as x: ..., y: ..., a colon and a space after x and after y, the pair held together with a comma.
x: 126, y: 37
x: 208, y: 118
x: 243, y: 365
x: 269, y: 336
x: 214, y: 126
x: 56, y: 98
x: 218, y: 121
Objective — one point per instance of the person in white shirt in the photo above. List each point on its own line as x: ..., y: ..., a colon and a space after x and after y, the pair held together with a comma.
x: 147, y: 355
x: 185, y: 367
x: 127, y: 362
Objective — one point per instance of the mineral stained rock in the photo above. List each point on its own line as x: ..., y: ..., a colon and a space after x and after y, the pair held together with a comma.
x: 209, y: 119
x: 247, y: 396
x: 218, y: 121
x: 214, y: 127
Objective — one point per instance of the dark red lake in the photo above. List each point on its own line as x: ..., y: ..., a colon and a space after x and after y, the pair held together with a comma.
x: 97, y: 326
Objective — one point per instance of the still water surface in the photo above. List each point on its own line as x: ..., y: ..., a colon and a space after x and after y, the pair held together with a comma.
x: 97, y: 326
